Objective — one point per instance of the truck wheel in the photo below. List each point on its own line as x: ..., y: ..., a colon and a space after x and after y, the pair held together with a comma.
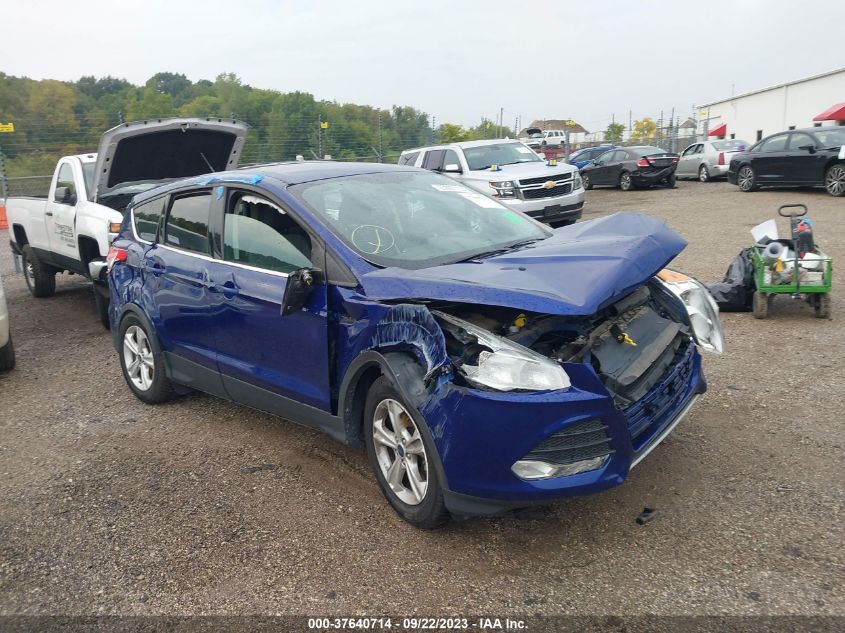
x: 7, y: 355
x: 834, y: 180
x: 760, y: 305
x: 585, y: 180
x: 143, y: 367
x: 703, y: 174
x: 746, y: 179
x: 102, y: 305
x: 40, y: 277
x: 402, y: 458
x: 625, y: 182
x: 821, y: 306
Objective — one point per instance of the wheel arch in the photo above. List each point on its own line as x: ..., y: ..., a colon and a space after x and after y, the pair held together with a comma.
x: 20, y: 235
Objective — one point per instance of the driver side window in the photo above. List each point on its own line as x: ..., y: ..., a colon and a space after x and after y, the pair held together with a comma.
x: 258, y: 233
x: 775, y: 144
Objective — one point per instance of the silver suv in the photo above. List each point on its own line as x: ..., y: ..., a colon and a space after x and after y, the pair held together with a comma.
x: 510, y: 172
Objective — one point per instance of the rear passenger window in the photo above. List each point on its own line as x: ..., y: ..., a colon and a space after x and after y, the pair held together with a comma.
x: 258, y: 233
x: 187, y: 223
x: 409, y: 159
x: 146, y: 218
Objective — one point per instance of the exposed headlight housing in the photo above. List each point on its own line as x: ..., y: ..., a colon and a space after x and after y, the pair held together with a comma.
x: 701, y: 308
x: 504, y: 188
x: 504, y: 365
x: 576, y: 182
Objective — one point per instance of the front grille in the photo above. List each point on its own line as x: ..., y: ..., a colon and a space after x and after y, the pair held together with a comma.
x: 582, y: 440
x: 533, y: 194
x: 652, y: 410
x: 540, y: 181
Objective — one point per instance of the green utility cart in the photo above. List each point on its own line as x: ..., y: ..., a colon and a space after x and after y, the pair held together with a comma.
x: 797, y: 277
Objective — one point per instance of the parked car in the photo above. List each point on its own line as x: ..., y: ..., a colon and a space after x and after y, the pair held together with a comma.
x: 71, y: 229
x: 630, y: 167
x: 709, y: 159
x: 7, y: 349
x: 583, y: 157
x: 483, y: 360
x: 813, y: 157
x: 538, y: 138
x: 510, y: 172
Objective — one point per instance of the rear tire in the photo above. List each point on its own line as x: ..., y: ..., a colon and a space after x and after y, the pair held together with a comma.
x: 670, y: 181
x: 704, y: 174
x: 625, y: 182
x: 40, y: 277
x: 760, y: 305
x: 821, y: 306
x: 102, y: 305
x: 746, y: 179
x: 585, y: 180
x: 143, y: 367
x: 7, y: 355
x: 834, y: 180
x: 416, y: 493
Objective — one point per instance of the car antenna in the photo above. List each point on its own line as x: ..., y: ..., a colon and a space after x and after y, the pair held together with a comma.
x: 206, y: 162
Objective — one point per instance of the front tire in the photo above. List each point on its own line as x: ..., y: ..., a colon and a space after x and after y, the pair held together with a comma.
x: 143, y: 367
x: 402, y: 457
x: 625, y: 182
x: 834, y: 180
x: 40, y: 277
x: 746, y: 179
x: 760, y: 305
x: 7, y: 356
x: 704, y: 174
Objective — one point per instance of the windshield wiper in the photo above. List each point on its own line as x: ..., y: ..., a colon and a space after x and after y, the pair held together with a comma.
x: 504, y: 249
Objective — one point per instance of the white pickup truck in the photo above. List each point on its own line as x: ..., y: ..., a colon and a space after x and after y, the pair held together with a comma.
x: 72, y: 229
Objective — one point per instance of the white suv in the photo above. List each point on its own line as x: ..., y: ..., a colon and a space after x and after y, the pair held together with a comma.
x: 510, y: 172
x: 7, y: 352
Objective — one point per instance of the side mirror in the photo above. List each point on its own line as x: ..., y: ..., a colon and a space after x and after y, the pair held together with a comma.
x: 64, y: 195
x: 297, y: 291
x: 808, y: 148
x: 452, y: 168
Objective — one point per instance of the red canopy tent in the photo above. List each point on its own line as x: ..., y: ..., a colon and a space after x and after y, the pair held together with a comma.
x: 833, y: 113
x: 719, y: 130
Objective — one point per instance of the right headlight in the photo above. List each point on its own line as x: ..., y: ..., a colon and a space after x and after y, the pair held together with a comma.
x: 576, y: 182
x: 701, y: 308
x: 502, y: 364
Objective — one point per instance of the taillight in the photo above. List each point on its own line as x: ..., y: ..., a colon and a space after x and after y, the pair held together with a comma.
x: 721, y: 158
x: 643, y: 162
x: 675, y: 159
x: 116, y: 255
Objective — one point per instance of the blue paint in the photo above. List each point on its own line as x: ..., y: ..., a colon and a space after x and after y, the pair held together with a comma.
x: 307, y: 355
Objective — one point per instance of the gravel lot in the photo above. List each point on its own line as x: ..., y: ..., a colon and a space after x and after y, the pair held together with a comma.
x: 200, y: 506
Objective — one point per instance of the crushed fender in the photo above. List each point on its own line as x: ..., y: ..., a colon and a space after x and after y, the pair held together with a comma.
x: 412, y: 327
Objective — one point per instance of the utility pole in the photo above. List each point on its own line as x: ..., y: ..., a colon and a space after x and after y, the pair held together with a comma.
x: 630, y: 115
x: 319, y: 135
x: 433, y: 128
x: 380, y: 145
x: 501, y: 121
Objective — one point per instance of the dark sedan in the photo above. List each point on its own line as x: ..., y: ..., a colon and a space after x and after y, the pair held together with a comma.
x: 630, y: 167
x: 814, y: 157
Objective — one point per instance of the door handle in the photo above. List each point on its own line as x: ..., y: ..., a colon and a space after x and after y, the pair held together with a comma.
x: 230, y: 289
x: 50, y: 213
x: 156, y: 268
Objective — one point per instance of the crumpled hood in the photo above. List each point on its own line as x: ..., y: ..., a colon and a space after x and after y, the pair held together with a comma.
x: 164, y: 149
x: 582, y: 268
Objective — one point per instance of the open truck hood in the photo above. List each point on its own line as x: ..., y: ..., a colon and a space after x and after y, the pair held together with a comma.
x: 164, y: 149
x: 580, y: 269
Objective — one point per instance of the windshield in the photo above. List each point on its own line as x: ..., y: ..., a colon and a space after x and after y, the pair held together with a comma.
x: 831, y: 138
x: 415, y: 219
x: 723, y: 146
x: 485, y: 156
x: 88, y: 176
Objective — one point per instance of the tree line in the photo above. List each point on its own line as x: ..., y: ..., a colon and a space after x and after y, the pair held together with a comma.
x: 54, y: 118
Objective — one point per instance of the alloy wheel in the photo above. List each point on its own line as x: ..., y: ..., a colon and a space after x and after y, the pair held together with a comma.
x: 703, y: 174
x: 745, y: 178
x: 834, y: 181
x: 138, y: 358
x: 400, y: 451
x: 29, y: 274
x: 625, y: 182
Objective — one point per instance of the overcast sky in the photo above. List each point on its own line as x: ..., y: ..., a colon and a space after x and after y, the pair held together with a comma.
x: 458, y: 61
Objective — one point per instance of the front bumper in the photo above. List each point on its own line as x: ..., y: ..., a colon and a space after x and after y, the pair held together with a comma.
x: 565, y: 207
x: 480, y: 434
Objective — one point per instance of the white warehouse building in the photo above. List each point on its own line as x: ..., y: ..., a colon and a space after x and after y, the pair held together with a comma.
x: 813, y: 101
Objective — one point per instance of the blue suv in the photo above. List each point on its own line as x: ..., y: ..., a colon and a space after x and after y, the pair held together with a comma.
x: 484, y: 360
